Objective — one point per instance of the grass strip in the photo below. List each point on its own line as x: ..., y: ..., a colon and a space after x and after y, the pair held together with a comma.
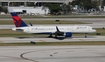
x: 9, y: 22
x: 54, y: 43
x: 55, y: 16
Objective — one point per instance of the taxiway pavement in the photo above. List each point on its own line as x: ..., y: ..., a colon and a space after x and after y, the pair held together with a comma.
x: 52, y: 54
x: 38, y: 39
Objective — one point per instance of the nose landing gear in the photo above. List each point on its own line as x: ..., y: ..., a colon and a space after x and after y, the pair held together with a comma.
x: 85, y: 35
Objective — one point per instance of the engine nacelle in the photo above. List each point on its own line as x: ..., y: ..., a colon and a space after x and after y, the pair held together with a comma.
x: 63, y: 34
x: 68, y: 34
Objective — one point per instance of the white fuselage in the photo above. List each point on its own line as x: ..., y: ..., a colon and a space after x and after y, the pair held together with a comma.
x: 52, y: 29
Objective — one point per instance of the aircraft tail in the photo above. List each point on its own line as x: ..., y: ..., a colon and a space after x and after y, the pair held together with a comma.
x: 17, y: 20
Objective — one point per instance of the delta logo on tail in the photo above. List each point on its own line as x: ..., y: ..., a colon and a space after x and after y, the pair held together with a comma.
x: 17, y: 20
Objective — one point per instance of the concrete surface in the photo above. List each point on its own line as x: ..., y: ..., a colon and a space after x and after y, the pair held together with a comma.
x: 38, y: 39
x: 52, y: 54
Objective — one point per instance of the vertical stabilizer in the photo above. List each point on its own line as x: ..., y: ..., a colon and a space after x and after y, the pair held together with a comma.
x: 17, y: 20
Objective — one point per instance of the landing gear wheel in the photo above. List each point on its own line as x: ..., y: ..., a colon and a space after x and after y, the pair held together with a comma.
x: 85, y: 35
x: 55, y: 36
x: 50, y: 36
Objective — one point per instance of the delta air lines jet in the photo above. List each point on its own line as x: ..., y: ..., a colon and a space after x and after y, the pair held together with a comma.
x: 58, y: 31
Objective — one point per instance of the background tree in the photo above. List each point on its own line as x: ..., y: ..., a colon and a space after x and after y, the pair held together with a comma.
x: 86, y: 4
x: 3, y: 9
x: 103, y: 2
x: 54, y: 8
x: 66, y: 8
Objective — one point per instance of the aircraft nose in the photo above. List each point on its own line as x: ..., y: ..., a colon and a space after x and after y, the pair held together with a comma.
x: 13, y: 29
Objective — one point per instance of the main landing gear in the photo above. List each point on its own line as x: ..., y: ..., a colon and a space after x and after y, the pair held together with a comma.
x: 85, y: 35
x: 50, y: 36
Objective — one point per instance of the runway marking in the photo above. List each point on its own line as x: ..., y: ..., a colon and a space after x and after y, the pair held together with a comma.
x: 22, y: 55
x: 80, y: 57
x: 81, y: 39
x: 42, y: 40
x: 27, y: 58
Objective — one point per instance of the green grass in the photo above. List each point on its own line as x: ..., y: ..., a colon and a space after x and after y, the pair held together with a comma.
x: 9, y: 22
x: 54, y: 43
x: 76, y: 16
x: 56, y: 16
x: 101, y: 31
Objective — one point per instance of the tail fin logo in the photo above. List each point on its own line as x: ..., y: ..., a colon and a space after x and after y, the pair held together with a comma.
x: 17, y: 20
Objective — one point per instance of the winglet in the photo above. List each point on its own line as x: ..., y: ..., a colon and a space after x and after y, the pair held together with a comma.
x: 17, y: 20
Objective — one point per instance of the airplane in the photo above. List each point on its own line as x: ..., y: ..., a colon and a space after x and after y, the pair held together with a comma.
x: 63, y: 31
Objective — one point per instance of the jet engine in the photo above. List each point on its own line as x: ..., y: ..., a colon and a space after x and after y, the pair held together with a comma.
x: 63, y: 34
x: 68, y: 34
x: 59, y: 33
